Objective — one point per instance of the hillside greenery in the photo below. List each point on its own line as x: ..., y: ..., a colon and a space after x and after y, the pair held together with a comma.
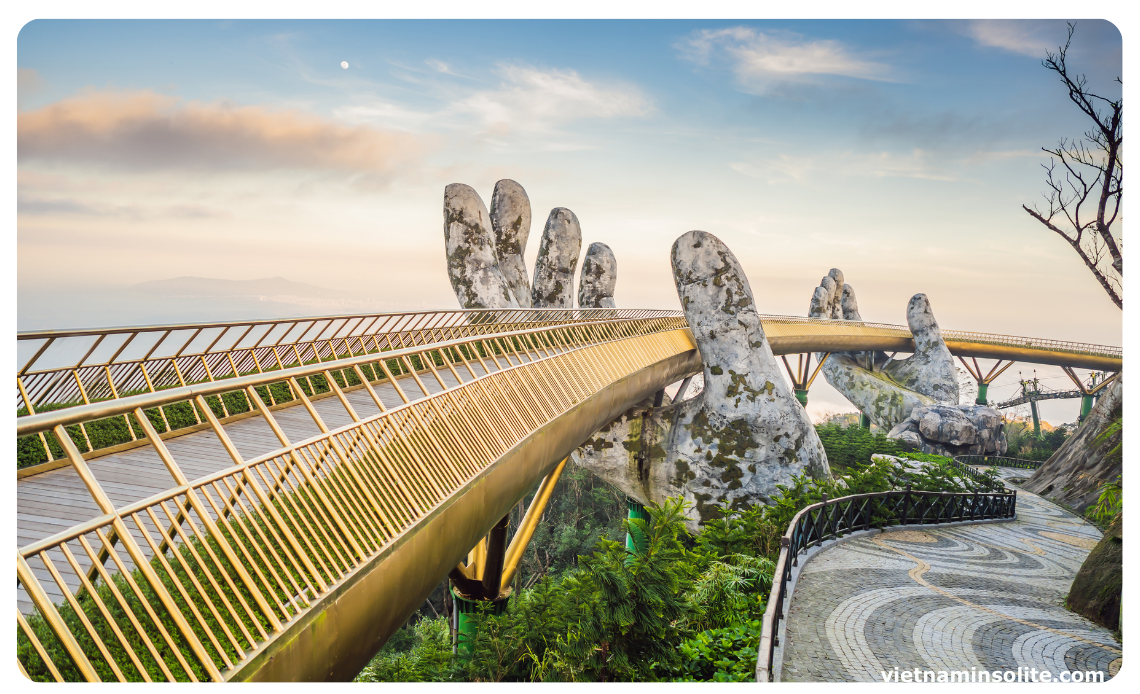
x: 687, y: 608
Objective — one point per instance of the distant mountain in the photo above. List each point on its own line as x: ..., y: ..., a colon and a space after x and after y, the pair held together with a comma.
x: 304, y: 298
x: 269, y: 289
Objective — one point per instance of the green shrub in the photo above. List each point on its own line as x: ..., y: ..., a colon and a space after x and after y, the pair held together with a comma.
x: 848, y: 446
x: 727, y: 654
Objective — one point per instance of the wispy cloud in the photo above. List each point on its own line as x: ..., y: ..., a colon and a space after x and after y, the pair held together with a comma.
x: 761, y: 60
x: 800, y: 169
x: 442, y: 67
x: 144, y: 130
x: 1031, y: 37
x: 536, y: 100
x: 28, y: 205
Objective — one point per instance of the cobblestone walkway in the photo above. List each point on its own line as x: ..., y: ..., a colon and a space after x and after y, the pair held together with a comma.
x: 989, y: 597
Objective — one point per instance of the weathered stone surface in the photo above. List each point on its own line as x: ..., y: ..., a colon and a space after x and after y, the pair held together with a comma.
x: 953, y: 430
x: 744, y: 434
x: 472, y: 265
x: 1074, y: 474
x: 885, y: 389
x: 510, y: 223
x: 599, y: 278
x: 1097, y: 587
x: 557, y: 260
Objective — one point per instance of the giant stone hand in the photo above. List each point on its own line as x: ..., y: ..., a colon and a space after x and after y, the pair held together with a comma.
x: 744, y: 434
x: 916, y: 398
x: 485, y: 251
x: 885, y: 389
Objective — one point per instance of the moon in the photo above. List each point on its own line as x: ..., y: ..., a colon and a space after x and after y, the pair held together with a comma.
x: 344, y: 64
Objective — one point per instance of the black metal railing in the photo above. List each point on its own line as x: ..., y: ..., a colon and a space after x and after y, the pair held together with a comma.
x: 831, y: 519
x: 999, y: 461
x: 963, y: 464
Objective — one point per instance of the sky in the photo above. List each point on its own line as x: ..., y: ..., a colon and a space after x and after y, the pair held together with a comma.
x: 898, y: 151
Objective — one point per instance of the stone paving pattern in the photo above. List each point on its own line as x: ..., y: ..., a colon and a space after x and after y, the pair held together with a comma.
x: 987, y: 596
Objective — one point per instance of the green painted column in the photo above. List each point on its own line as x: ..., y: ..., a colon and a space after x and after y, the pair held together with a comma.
x: 983, y: 388
x: 801, y: 395
x: 466, y: 626
x: 1086, y: 406
x: 1036, y: 419
x: 636, y: 510
x: 864, y: 421
x: 466, y: 629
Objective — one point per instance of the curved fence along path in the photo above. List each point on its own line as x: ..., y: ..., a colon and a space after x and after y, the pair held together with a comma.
x: 968, y: 597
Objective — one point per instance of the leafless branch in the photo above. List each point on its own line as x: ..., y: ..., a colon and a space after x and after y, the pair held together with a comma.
x: 1088, y: 170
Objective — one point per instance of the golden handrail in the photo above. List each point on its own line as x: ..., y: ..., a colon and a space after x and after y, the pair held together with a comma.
x: 265, y: 540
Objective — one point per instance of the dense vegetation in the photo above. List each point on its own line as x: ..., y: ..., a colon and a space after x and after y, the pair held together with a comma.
x: 687, y: 608
x: 1024, y: 444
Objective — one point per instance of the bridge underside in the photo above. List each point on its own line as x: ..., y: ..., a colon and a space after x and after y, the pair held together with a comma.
x: 345, y: 629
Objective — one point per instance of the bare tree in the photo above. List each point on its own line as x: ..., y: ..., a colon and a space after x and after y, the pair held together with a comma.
x: 1084, y: 180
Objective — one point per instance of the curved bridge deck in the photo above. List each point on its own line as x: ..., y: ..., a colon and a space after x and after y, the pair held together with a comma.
x: 989, y: 597
x: 350, y: 528
x: 313, y: 528
x: 53, y: 501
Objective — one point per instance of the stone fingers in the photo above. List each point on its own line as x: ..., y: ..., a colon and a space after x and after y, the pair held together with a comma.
x: 472, y: 265
x: 510, y: 223
x: 599, y: 278
x: 557, y: 260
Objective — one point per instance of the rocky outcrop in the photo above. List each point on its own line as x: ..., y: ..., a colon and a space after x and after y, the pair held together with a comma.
x: 744, y: 434
x: 472, y: 264
x: 1074, y: 474
x: 599, y: 278
x: 1096, y: 588
x: 885, y: 389
x: 952, y: 430
x: 510, y: 223
x: 557, y: 259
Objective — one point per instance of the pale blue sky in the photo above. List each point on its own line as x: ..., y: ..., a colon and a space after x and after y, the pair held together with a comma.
x: 899, y: 151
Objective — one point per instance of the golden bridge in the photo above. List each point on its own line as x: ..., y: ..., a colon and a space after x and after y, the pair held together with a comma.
x: 271, y: 500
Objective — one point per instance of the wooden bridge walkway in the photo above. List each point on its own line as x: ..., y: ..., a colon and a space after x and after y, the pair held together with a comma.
x: 53, y: 501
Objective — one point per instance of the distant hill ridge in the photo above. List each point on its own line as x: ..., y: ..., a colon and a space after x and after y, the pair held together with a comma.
x: 188, y: 286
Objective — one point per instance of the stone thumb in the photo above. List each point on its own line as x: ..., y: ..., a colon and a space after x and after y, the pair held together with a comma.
x: 718, y: 304
x: 920, y: 320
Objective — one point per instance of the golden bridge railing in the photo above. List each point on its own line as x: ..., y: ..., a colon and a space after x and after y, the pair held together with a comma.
x: 209, y: 570
x: 153, y: 358
x: 776, y: 326
x: 792, y: 334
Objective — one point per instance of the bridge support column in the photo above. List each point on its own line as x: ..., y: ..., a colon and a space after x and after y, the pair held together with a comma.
x: 864, y: 421
x: 636, y: 510
x: 479, y: 587
x: 1036, y: 419
x: 484, y: 582
x: 802, y: 376
x: 467, y: 625
x: 1096, y: 382
x: 1086, y: 405
x: 984, y: 381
